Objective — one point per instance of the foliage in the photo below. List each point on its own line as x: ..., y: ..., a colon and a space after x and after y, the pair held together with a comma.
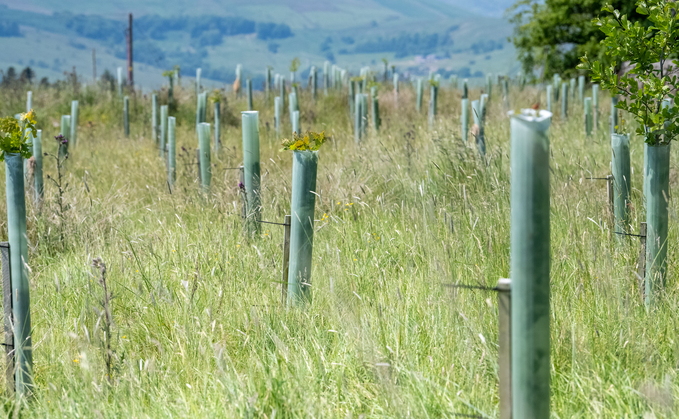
x: 552, y: 35
x: 216, y: 96
x: 649, y: 50
x: 310, y: 141
x: 406, y: 44
x: 14, y: 135
x: 294, y: 65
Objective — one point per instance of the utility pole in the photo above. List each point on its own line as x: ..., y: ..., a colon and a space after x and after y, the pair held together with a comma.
x: 130, y: 78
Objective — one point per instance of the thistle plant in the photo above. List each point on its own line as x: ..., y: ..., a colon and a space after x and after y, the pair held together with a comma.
x: 105, y: 313
x: 651, y: 51
x: 60, y: 159
x: 310, y: 141
x: 14, y: 135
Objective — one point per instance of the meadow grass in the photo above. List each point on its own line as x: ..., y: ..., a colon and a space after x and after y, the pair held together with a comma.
x: 198, y: 325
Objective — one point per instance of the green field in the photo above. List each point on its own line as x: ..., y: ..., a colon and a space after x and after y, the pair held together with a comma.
x: 50, y: 47
x: 198, y: 325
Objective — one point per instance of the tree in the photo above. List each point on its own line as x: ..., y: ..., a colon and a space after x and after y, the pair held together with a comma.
x: 552, y: 35
x: 649, y: 90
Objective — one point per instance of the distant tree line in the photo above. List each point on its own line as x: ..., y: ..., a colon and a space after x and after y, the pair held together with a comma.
x: 204, y: 30
x: 13, y: 79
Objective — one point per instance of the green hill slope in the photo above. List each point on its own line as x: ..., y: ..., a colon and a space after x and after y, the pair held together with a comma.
x: 415, y: 35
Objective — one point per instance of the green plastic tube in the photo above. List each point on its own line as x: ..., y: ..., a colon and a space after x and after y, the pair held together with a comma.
x: 375, y: 108
x: 352, y: 96
x: 171, y: 151
x: 556, y: 83
x: 581, y: 88
x: 170, y: 94
x: 295, y: 106
x: 433, y: 98
x: 589, y: 121
x: 205, y: 161
x: 620, y: 163
x: 281, y: 84
x: 218, y: 138
x: 154, y: 117
x: 65, y: 132
x: 489, y: 85
x: 364, y: 114
x: 294, y: 116
x: 267, y: 82
x: 199, y: 72
x: 572, y: 88
x: 251, y: 168
x: 396, y: 87
x: 74, y: 122
x: 326, y: 77
x: 420, y: 93
x: 251, y: 105
x: 505, y: 92
x: 303, y: 202
x: 614, y: 115
x: 203, y: 107
x: 530, y: 260
x: 564, y: 100
x: 464, y: 119
x: 549, y: 98
x: 293, y: 103
x: 657, y: 181
x: 37, y: 171
x: 126, y: 116
x: 239, y: 77
x: 277, y: 112
x: 199, y: 113
x: 29, y: 101
x: 18, y: 242
x: 478, y: 114
x: 163, y: 129
x: 120, y: 81
x: 357, y: 118
x: 314, y: 82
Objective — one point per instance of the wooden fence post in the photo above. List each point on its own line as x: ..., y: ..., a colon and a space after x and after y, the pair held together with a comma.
x: 286, y: 259
x: 641, y: 268
x: 7, y: 311
x: 504, y: 305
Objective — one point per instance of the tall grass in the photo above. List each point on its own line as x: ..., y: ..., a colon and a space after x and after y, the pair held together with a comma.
x: 198, y: 325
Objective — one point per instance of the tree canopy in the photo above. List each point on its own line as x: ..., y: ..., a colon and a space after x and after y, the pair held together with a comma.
x: 551, y: 35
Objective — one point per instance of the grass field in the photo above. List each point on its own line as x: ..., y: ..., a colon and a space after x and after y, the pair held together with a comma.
x: 198, y: 326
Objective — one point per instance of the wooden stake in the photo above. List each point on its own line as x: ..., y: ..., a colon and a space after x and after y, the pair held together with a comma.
x: 504, y: 305
x: 641, y: 267
x: 286, y: 259
x: 7, y: 311
x: 610, y: 194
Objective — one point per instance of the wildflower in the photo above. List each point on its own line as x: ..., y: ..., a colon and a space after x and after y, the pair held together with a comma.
x: 61, y: 139
x: 240, y: 185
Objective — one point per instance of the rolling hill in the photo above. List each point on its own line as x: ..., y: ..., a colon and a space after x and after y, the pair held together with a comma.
x: 417, y: 36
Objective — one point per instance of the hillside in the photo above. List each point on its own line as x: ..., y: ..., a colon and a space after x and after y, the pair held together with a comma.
x: 415, y: 35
